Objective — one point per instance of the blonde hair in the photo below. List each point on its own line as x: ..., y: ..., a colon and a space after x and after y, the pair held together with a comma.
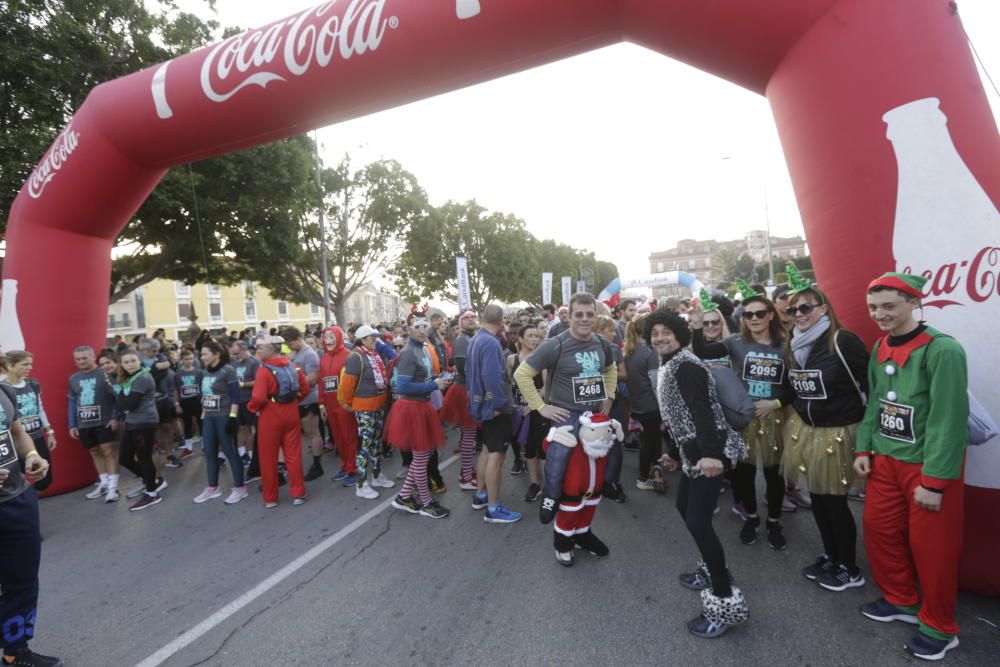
x: 633, y: 334
x: 604, y: 323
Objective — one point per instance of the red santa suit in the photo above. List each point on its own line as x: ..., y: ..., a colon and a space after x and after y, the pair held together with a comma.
x: 278, y: 426
x: 343, y: 426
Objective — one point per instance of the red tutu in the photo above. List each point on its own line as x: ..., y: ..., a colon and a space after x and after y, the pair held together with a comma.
x: 413, y: 426
x: 455, y: 410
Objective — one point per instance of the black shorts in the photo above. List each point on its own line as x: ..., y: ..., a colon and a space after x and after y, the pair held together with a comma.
x: 166, y: 410
x: 311, y: 409
x: 497, y: 433
x: 538, y: 428
x: 246, y: 418
x: 96, y: 435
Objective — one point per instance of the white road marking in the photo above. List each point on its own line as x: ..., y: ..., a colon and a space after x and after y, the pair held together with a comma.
x: 195, y: 633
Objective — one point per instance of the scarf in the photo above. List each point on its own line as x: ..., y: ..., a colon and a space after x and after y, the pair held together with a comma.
x: 803, y: 341
x: 378, y: 369
x: 127, y: 384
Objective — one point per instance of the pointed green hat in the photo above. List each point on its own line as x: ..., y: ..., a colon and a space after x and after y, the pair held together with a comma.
x: 745, y: 290
x: 706, y: 301
x: 797, y: 283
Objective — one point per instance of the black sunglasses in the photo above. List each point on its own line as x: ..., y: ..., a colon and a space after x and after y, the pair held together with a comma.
x: 805, y: 309
x: 755, y: 314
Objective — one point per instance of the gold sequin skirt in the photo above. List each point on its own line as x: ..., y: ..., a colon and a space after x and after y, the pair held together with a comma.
x: 764, y: 435
x: 824, y: 454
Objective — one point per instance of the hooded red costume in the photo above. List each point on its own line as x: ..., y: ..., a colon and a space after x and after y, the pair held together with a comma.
x: 343, y: 426
x: 278, y: 425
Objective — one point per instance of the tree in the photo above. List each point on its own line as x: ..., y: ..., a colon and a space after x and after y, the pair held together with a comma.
x: 496, y: 245
x: 368, y: 213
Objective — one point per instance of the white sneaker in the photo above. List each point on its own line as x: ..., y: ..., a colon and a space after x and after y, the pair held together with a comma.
x: 383, y: 482
x: 97, y: 492
x: 209, y: 493
x: 236, y: 495
x: 112, y: 496
x: 367, y: 492
x: 137, y: 490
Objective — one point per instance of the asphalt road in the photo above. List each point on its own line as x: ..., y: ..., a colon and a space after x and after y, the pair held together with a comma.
x: 122, y: 588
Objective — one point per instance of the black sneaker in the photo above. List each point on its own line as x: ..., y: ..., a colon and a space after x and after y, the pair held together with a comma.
x: 775, y: 539
x: 886, y: 612
x: 748, y: 534
x: 433, y: 511
x: 406, y: 504
x: 519, y: 467
x: 614, y: 491
x: 702, y: 627
x: 590, y: 542
x: 841, y: 579
x: 282, y: 480
x: 28, y: 658
x: 929, y: 648
x: 144, y: 502
x: 823, y: 565
x: 174, y: 462
x: 315, y: 472
x: 533, y: 492
x: 696, y: 580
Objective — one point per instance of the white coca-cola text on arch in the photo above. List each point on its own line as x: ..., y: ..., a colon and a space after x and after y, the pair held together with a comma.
x: 313, y: 36
x: 54, y: 159
x: 979, y: 276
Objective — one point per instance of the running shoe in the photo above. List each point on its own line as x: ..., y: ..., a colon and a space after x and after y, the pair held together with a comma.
x: 787, y: 505
x: 270, y: 506
x: 501, y: 515
x: 614, y: 491
x: 644, y: 484
x: 315, y: 471
x: 479, y: 500
x: 329, y: 446
x: 823, y: 565
x: 349, y: 481
x: 98, y: 491
x: 775, y: 539
x: 748, y: 534
x: 883, y: 611
x: 469, y: 484
x: 236, y: 495
x: 251, y: 479
x: 533, y: 492
x: 341, y: 474
x: 185, y: 452
x: 841, y: 579
x: 696, y: 581
x: 246, y: 460
x: 366, y: 491
x: 144, y: 502
x: 161, y: 484
x: 137, y: 490
x: 406, y: 504
x: 112, y: 496
x: 799, y: 497
x: 25, y: 657
x: 296, y: 502
x: 702, y: 627
x: 929, y: 648
x: 174, y: 462
x: 209, y: 493
x: 565, y: 558
x: 382, y: 482
x: 519, y: 467
x: 740, y: 510
x: 433, y: 511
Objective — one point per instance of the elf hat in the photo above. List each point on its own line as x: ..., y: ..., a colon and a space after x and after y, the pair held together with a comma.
x: 904, y: 282
x: 707, y: 305
x: 797, y: 283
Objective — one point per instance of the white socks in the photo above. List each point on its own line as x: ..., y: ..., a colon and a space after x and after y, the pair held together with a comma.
x: 112, y: 481
x: 104, y: 479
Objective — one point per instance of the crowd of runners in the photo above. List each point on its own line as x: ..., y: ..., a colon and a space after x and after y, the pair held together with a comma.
x: 720, y: 390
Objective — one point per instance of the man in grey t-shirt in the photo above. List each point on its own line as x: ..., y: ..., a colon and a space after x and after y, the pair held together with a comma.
x: 307, y: 361
x: 246, y: 367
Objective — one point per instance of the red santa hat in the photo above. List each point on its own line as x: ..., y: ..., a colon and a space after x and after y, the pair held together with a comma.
x: 591, y: 420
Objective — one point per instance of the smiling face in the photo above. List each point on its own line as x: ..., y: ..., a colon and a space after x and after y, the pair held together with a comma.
x: 663, y: 340
x: 808, y: 311
x: 757, y: 317
x: 84, y: 360
x: 892, y: 312
x: 108, y: 365
x: 712, y: 324
x: 582, y: 320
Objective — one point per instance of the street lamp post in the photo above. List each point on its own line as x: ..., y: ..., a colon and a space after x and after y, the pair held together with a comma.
x: 322, y: 232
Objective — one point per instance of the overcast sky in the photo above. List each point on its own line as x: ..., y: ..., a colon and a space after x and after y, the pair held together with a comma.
x: 592, y: 148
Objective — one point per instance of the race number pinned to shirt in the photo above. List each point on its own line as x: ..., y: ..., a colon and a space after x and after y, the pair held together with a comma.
x: 330, y: 384
x: 88, y: 413
x: 211, y: 401
x: 763, y: 369
x: 808, y: 384
x: 895, y: 421
x: 590, y: 389
x: 189, y: 391
x: 7, y: 453
x: 32, y: 424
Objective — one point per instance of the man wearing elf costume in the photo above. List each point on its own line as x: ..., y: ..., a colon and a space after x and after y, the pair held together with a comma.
x: 911, y: 447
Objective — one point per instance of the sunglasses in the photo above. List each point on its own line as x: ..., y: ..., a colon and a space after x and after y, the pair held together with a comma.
x: 804, y: 309
x: 756, y: 314
x: 584, y: 315
x: 711, y: 323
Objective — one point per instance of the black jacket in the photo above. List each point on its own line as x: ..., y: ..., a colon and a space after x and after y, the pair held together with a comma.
x: 842, y: 405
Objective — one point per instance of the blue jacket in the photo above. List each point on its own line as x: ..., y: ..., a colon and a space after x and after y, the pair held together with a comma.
x: 485, y: 376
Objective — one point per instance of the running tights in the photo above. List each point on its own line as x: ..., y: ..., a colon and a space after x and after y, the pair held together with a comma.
x: 136, y: 455
x: 369, y: 444
x: 467, y: 452
x: 416, y: 476
x: 696, y: 500
x: 745, y: 488
x: 836, y: 528
x: 650, y: 441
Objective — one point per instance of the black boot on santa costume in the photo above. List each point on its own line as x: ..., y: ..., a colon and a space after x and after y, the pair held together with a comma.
x: 574, y: 476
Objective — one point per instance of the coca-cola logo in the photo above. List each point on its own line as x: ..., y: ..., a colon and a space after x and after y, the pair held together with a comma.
x: 979, y: 277
x: 316, y: 36
x: 53, y: 161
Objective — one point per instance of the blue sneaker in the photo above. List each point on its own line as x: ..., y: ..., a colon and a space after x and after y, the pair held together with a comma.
x: 928, y: 648
x: 881, y: 610
x: 351, y: 480
x: 501, y: 515
x: 339, y: 476
x: 479, y: 500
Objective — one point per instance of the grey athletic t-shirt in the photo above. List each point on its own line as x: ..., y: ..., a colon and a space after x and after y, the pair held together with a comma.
x: 576, y: 382
x: 307, y: 361
x: 15, y: 484
x: 215, y: 390
x: 145, y: 414
x: 95, y: 400
x: 246, y: 371
x: 641, y: 390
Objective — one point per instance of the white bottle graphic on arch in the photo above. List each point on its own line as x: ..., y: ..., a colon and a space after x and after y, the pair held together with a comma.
x: 11, y: 337
x: 948, y: 229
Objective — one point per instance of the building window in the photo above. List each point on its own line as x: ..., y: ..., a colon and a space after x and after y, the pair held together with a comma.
x: 659, y: 267
x: 795, y: 252
x: 181, y: 290
x: 314, y: 310
x: 111, y: 321
x: 250, y: 311
x: 691, y: 263
x: 249, y: 289
x: 282, y: 310
x: 213, y: 290
x: 126, y: 320
x: 183, y: 312
x: 215, y: 311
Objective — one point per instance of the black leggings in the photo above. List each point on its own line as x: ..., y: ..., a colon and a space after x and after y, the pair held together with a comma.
x: 650, y: 441
x: 745, y: 488
x: 191, y: 415
x: 42, y: 447
x: 696, y: 500
x: 136, y: 454
x: 836, y: 528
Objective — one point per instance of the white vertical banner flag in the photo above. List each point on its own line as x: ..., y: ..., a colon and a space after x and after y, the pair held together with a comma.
x: 462, y: 277
x: 546, y: 288
x: 567, y: 288
x: 581, y: 285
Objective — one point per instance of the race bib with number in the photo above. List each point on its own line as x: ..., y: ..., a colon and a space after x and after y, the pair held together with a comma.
x: 32, y: 424
x: 589, y: 389
x: 189, y: 391
x: 763, y: 369
x: 808, y: 384
x: 7, y: 453
x: 330, y: 383
x: 210, y: 401
x: 896, y: 421
x: 88, y: 413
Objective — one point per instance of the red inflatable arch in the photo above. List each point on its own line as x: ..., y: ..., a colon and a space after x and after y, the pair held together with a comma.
x: 891, y: 145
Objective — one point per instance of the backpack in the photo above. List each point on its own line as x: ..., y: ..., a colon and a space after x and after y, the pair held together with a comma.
x: 288, y: 383
x: 737, y: 406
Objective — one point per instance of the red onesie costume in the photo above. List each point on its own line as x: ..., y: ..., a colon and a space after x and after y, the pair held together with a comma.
x: 343, y: 427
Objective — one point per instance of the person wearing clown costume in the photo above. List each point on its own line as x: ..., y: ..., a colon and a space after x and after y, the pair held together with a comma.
x: 911, y: 448
x: 574, y: 477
